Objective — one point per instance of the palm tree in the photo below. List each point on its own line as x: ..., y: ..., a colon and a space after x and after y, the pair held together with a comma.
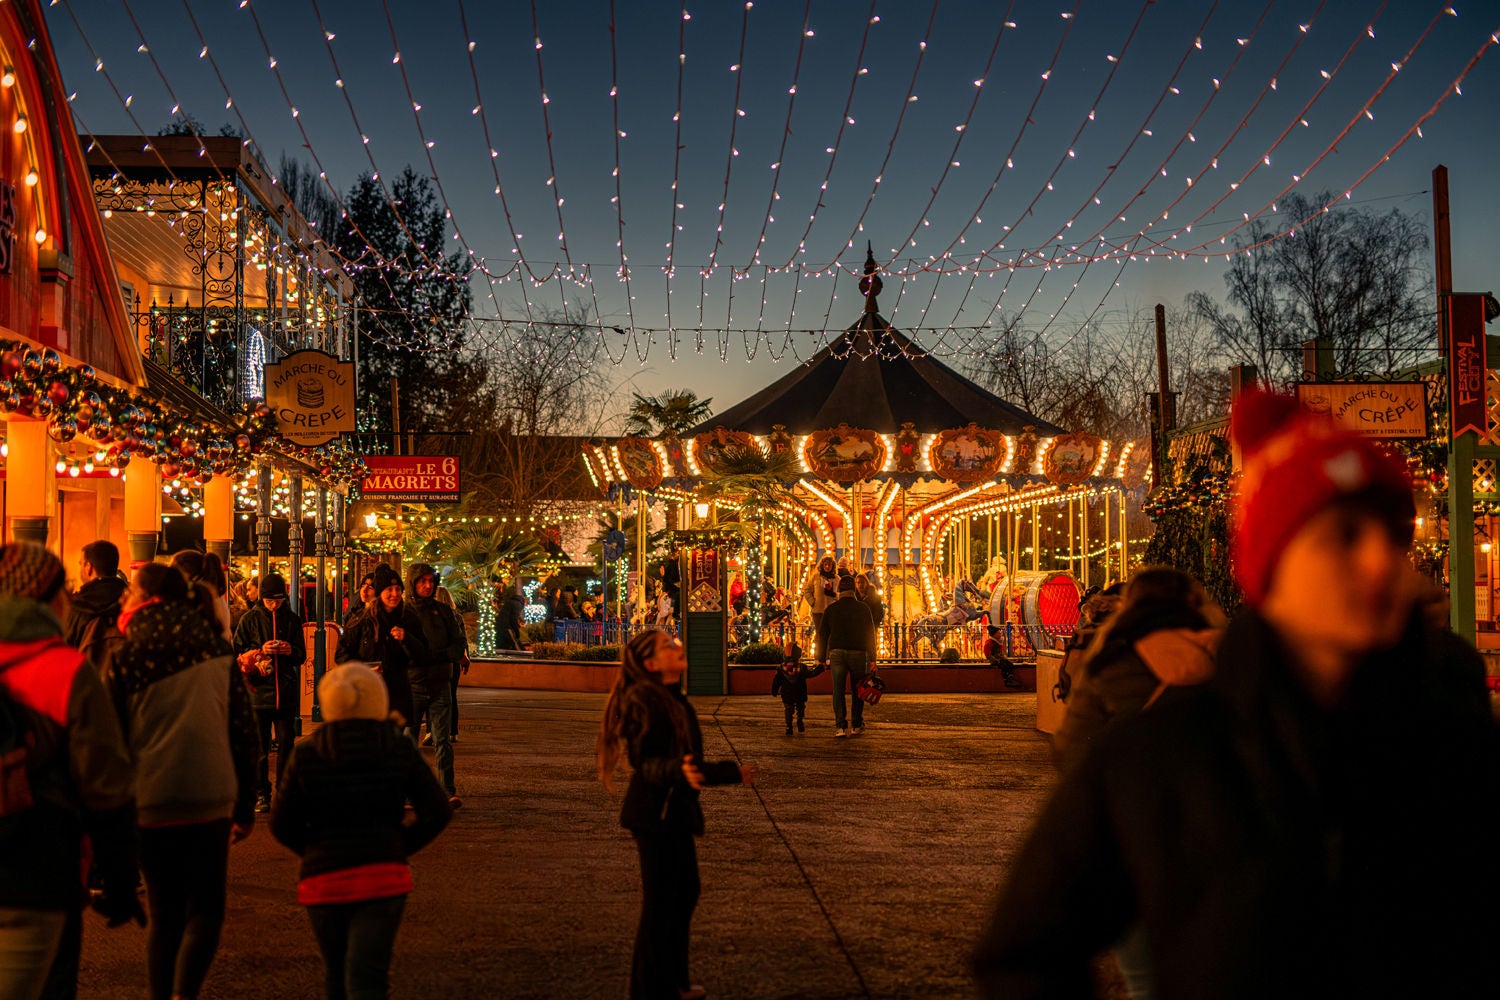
x: 674, y: 410
x: 759, y: 486
x: 473, y: 557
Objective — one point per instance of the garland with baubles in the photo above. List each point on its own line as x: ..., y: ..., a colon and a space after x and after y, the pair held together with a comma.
x: 126, y: 423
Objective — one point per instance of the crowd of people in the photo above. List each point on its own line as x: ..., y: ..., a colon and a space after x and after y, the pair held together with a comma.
x: 138, y: 716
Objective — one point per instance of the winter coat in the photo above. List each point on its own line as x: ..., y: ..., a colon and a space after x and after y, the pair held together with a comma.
x: 1267, y: 846
x: 443, y: 636
x: 821, y: 591
x: 512, y: 618
x: 791, y: 681
x: 659, y: 799
x: 565, y: 607
x: 342, y: 800
x: 78, y: 769
x: 848, y: 624
x: 1124, y: 678
x: 254, y: 631
x: 92, y: 614
x: 875, y: 604
x: 186, y: 715
x: 367, y: 638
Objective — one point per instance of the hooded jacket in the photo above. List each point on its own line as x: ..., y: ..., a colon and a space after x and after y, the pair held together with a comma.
x: 512, y: 617
x: 258, y: 627
x: 1270, y: 847
x: 91, y: 617
x: 442, y: 633
x: 78, y: 768
x: 367, y: 637
x: 1124, y: 678
x: 187, y: 717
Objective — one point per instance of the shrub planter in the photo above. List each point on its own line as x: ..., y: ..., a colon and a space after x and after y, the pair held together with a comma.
x: 541, y: 675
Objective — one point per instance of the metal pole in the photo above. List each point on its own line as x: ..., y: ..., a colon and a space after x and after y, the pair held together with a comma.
x: 338, y: 550
x: 294, y: 541
x: 263, y: 521
x: 320, y: 598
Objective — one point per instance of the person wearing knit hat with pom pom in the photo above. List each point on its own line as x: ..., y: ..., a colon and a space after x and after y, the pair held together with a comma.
x: 341, y: 808
x: 1317, y: 819
x: 387, y: 632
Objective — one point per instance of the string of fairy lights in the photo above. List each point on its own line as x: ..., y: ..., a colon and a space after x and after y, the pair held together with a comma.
x: 1162, y: 237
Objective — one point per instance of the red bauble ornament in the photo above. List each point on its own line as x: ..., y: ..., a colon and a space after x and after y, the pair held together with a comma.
x: 169, y: 470
x: 58, y: 393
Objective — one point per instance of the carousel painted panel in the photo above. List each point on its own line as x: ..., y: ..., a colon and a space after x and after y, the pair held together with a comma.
x: 968, y: 454
x: 639, y: 460
x: 714, y: 450
x: 1072, y: 458
x: 844, y: 454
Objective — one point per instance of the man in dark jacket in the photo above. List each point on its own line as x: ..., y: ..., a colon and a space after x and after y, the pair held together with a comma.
x: 270, y: 651
x: 847, y: 635
x: 78, y: 775
x: 512, y: 617
x: 388, y: 633
x: 431, y: 671
x: 1263, y: 834
x: 96, y: 605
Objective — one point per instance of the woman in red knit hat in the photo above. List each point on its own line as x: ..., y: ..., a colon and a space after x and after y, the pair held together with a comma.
x: 1315, y: 820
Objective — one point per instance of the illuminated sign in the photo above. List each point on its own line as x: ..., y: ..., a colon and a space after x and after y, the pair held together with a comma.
x: 312, y: 395
x: 412, y: 479
x: 1375, y: 409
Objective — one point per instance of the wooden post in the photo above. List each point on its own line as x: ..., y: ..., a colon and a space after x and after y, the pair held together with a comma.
x: 1460, y: 446
x: 1241, y: 379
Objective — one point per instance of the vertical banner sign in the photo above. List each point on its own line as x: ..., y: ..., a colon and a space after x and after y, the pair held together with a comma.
x: 1467, y: 365
x: 703, y: 581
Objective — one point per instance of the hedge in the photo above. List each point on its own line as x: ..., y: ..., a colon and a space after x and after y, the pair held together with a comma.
x: 575, y: 651
x: 757, y: 652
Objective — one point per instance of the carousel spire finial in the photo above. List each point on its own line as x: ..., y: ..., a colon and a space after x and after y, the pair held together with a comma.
x: 870, y: 284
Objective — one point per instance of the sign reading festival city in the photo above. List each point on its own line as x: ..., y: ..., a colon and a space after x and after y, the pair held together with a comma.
x: 412, y: 479
x: 1390, y: 410
x: 312, y: 395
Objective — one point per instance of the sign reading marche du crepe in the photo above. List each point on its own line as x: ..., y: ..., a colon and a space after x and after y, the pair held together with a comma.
x: 412, y: 479
x: 312, y: 395
x: 1374, y: 409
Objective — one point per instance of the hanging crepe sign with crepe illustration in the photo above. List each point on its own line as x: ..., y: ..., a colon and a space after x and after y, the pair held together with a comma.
x: 311, y: 394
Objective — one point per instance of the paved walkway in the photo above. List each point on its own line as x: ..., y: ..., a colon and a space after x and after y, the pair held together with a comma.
x: 855, y: 868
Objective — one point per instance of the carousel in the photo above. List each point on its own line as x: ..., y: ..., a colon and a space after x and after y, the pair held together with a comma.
x: 961, y: 507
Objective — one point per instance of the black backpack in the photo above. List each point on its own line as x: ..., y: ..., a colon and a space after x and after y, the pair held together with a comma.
x: 16, y: 743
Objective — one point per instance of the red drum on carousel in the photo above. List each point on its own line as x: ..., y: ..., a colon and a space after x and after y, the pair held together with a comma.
x: 1044, y: 604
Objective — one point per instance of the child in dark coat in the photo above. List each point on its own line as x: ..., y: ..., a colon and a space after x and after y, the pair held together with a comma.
x: 791, y: 683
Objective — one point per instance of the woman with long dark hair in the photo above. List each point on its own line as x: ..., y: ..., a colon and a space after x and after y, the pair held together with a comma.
x: 648, y: 717
x: 191, y: 731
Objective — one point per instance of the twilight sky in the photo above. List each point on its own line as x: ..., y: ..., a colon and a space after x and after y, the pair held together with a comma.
x: 1003, y: 152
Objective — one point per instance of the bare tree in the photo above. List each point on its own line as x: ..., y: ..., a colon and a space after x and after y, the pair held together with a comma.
x: 1353, y: 277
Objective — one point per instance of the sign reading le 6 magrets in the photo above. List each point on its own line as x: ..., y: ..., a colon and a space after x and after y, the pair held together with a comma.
x: 312, y: 395
x: 412, y: 479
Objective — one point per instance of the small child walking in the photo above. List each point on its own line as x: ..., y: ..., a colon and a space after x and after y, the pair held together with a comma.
x: 791, y: 683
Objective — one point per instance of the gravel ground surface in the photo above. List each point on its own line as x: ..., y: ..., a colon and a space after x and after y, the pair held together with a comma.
x: 854, y: 868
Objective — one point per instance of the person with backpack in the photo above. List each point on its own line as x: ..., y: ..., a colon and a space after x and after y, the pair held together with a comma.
x: 96, y: 604
x: 186, y: 715
x: 270, y: 652
x: 341, y: 808
x: 67, y: 776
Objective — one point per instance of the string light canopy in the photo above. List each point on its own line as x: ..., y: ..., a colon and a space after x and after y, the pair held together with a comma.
x: 1261, y: 85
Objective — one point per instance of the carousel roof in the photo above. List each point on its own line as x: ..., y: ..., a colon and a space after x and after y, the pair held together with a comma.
x: 873, y: 376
